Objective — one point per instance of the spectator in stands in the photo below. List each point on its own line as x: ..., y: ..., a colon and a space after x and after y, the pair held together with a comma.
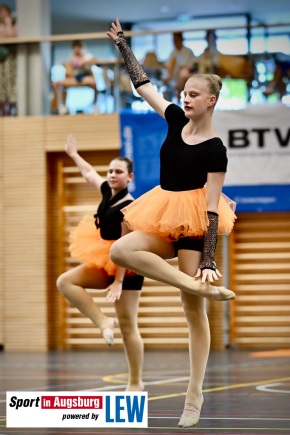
x: 78, y: 73
x: 7, y: 63
x: 206, y: 63
x: 225, y: 65
x: 7, y: 22
x: 180, y: 57
x: 152, y: 65
x: 281, y: 76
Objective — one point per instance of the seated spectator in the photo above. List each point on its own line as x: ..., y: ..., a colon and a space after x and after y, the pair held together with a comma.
x: 206, y: 63
x: 7, y: 63
x: 152, y: 65
x: 78, y: 73
x: 214, y: 62
x: 7, y: 22
x: 154, y: 68
x: 180, y: 57
x: 281, y: 76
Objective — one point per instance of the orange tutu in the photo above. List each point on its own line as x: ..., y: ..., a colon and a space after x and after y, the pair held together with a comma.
x: 172, y: 215
x: 87, y: 246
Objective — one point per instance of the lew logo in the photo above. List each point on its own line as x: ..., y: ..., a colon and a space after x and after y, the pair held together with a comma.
x: 122, y: 409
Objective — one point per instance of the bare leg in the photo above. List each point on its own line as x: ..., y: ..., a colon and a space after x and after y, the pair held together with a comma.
x: 199, y: 341
x: 145, y: 253
x: 277, y: 82
x: 58, y: 90
x: 72, y: 285
x: 127, y: 313
x: 90, y: 81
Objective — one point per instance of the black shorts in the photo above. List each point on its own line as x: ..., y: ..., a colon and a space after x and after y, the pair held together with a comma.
x: 189, y: 243
x: 81, y: 76
x: 131, y: 282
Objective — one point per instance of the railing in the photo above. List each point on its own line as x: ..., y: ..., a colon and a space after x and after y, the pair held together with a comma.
x: 112, y: 86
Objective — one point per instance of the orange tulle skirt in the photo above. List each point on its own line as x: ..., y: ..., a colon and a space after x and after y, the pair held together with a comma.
x: 172, y: 215
x: 87, y: 246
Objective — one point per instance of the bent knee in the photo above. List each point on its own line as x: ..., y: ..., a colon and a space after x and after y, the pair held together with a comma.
x: 61, y: 283
x: 117, y: 253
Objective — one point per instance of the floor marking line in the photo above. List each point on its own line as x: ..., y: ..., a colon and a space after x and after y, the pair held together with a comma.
x: 272, y: 390
x: 219, y: 429
x: 225, y: 387
x: 163, y: 381
x: 112, y: 379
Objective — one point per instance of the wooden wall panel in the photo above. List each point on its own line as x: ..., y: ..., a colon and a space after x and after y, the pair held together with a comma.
x: 30, y: 306
x: 24, y: 241
x: 92, y: 132
x: 216, y: 310
x: 260, y: 276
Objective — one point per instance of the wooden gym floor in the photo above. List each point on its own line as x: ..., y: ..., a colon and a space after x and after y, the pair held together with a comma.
x: 246, y: 393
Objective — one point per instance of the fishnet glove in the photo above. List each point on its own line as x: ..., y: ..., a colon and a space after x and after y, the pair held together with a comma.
x: 210, y: 241
x: 136, y: 72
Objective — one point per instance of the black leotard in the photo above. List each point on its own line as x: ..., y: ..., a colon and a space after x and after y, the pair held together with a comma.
x: 183, y: 166
x: 109, y: 217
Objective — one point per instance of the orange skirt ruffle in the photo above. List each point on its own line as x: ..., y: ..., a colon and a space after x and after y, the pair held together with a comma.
x: 172, y: 215
x: 87, y: 246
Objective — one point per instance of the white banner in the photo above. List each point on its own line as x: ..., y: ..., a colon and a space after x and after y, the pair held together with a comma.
x: 74, y: 409
x: 258, y: 144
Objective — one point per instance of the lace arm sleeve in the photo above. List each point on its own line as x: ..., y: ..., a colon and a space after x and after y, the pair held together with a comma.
x: 210, y: 242
x: 136, y: 72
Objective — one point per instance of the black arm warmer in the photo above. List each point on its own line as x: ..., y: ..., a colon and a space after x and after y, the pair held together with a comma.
x: 136, y: 72
x: 210, y: 242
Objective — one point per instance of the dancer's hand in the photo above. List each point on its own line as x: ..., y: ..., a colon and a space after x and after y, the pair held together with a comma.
x: 115, y: 28
x: 208, y: 275
x: 71, y: 146
x: 114, y: 292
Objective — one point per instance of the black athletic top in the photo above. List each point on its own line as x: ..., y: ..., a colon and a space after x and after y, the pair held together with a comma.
x: 109, y: 217
x: 183, y: 166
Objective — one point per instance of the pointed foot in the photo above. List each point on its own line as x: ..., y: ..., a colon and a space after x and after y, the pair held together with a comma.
x: 222, y: 294
x: 108, y: 331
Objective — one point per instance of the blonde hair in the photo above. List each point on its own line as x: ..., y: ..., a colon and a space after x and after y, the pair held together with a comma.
x: 214, y: 83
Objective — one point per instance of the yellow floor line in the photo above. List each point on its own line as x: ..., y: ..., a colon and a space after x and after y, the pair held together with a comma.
x: 225, y: 387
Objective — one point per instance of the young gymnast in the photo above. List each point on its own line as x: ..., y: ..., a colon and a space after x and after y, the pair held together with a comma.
x: 90, y: 243
x: 184, y: 215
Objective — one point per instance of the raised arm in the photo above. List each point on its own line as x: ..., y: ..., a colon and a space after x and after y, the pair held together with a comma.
x: 137, y: 75
x: 87, y: 171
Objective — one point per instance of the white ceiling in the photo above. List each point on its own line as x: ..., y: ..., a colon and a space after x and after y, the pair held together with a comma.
x: 74, y: 16
x: 140, y: 10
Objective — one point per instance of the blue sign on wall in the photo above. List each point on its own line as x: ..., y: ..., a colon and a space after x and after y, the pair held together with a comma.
x: 142, y: 136
x: 260, y: 198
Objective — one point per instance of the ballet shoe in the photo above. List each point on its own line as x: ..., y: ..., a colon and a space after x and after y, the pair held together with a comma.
x: 221, y: 294
x: 190, y: 416
x: 108, y: 332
